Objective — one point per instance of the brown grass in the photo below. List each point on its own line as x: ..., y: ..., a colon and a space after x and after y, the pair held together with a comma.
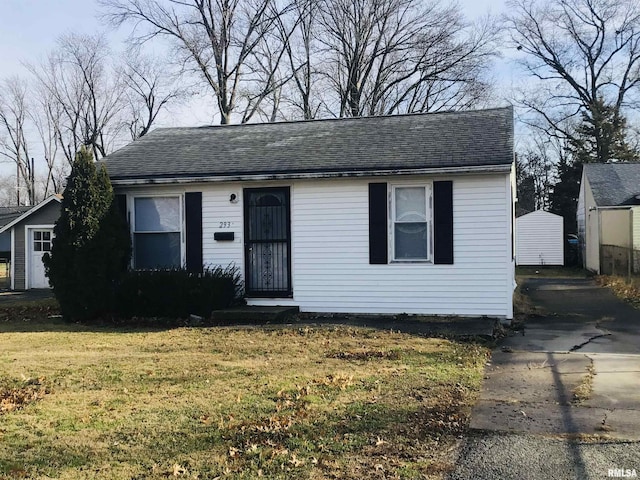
x: 624, y: 288
x: 583, y: 391
x: 5, y: 274
x: 550, y: 271
x: 230, y: 403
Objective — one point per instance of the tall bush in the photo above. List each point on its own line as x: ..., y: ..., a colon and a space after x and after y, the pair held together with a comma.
x: 91, y: 248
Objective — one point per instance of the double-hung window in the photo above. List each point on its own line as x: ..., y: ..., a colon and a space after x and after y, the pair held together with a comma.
x: 411, y: 218
x: 157, y: 232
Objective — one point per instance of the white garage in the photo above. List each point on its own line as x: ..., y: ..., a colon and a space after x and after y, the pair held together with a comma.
x: 539, y: 239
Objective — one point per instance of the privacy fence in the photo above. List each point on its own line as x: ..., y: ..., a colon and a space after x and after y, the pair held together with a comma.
x: 616, y: 260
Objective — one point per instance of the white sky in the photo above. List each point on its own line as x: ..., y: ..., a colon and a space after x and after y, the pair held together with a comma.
x: 29, y: 30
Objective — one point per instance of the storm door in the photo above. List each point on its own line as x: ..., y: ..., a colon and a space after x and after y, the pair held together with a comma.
x: 267, y: 233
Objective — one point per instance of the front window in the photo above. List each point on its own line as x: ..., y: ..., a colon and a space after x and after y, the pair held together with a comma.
x: 411, y: 223
x: 157, y: 232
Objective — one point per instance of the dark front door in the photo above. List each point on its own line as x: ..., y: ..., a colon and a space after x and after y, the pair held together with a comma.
x: 267, y: 233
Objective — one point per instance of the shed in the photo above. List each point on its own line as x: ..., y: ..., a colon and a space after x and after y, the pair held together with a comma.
x: 31, y: 236
x: 539, y: 239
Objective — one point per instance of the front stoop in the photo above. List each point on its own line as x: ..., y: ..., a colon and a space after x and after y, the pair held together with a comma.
x: 252, y: 315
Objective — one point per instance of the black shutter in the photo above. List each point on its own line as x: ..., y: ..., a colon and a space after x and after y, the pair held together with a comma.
x: 443, y: 222
x: 378, y: 223
x: 193, y: 221
x: 121, y: 205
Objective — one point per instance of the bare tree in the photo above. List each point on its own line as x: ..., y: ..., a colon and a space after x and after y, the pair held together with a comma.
x: 46, y: 117
x: 215, y: 39
x: 401, y: 56
x: 585, y: 55
x: 7, y: 191
x: 79, y: 78
x: 536, y: 167
x: 298, y: 31
x: 14, y: 144
x: 149, y: 90
x: 263, y: 81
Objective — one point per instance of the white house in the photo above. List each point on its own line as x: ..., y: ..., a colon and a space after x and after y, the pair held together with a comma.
x: 608, y: 217
x: 539, y: 239
x: 397, y: 214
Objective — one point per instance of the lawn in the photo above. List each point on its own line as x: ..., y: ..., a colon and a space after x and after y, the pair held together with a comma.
x: 5, y: 272
x: 87, y: 402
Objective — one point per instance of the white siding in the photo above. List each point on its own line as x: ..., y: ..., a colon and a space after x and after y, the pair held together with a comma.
x: 331, y: 270
x: 330, y: 249
x: 581, y: 218
x: 636, y: 227
x: 539, y: 239
x: 635, y: 233
x: 591, y: 246
x: 219, y: 214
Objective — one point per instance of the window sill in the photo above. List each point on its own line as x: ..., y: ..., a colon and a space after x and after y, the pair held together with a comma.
x: 401, y: 262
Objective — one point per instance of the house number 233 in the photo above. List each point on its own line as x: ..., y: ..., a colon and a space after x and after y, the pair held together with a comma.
x: 225, y: 225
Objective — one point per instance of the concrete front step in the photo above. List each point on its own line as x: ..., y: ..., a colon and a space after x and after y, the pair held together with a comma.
x: 252, y: 314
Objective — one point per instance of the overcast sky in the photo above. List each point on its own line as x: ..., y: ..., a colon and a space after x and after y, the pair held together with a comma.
x: 29, y: 30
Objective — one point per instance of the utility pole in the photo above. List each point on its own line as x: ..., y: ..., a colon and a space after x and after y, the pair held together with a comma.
x: 33, y: 182
x: 18, y: 183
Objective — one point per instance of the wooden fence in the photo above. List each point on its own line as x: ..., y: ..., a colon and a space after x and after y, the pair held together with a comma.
x: 616, y: 260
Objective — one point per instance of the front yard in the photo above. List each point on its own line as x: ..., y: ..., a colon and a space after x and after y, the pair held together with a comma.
x: 84, y: 402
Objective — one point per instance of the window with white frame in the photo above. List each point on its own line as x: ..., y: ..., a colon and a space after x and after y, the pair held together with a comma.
x: 157, y: 232
x: 411, y: 217
x: 42, y: 240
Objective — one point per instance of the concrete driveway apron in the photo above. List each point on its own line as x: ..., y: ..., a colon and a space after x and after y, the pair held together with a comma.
x: 561, y: 399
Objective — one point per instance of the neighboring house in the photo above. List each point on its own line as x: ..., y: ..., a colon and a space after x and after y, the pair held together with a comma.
x: 608, y: 217
x: 396, y: 214
x: 31, y: 234
x: 7, y: 215
x: 539, y: 239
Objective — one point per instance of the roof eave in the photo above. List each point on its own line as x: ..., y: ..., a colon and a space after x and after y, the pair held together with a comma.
x: 31, y: 211
x: 478, y: 169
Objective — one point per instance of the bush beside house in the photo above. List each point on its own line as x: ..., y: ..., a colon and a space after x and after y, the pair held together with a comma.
x: 177, y: 293
x: 89, y: 263
x: 91, y: 248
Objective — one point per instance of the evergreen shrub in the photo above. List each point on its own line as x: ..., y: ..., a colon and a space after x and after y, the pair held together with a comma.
x: 91, y: 246
x: 177, y: 293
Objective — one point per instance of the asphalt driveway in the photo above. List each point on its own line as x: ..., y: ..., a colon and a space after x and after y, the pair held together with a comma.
x: 10, y: 297
x: 561, y: 399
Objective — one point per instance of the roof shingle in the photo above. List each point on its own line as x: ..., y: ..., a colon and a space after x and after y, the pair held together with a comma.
x: 461, y: 139
x: 614, y: 183
x: 8, y: 214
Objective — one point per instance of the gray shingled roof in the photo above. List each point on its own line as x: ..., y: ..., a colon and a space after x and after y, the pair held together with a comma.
x: 8, y: 214
x: 614, y: 183
x: 463, y: 139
